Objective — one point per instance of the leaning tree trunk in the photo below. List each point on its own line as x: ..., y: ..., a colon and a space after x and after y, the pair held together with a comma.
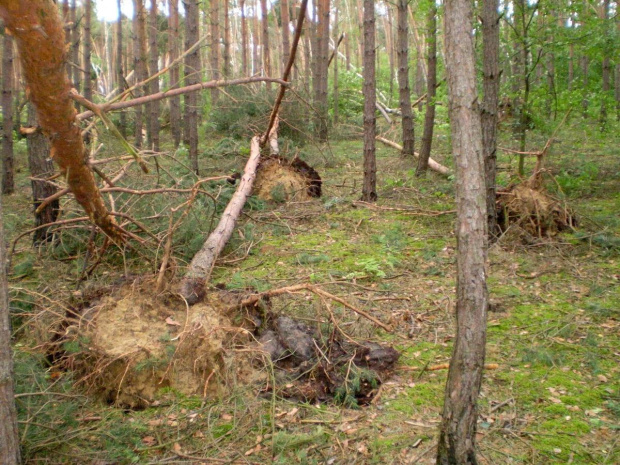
x: 173, y: 50
x: 192, y: 76
x: 403, y: 79
x: 369, y: 190
x: 490, y: 103
x: 457, y: 436
x: 153, y: 69
x: 9, y: 434
x: 8, y: 170
x: 41, y: 167
x: 429, y: 116
x: 38, y: 30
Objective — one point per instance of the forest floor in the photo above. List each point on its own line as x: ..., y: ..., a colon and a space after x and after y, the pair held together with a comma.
x: 553, y: 330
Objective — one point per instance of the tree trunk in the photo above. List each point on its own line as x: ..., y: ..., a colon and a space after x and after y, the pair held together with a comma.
x: 120, y: 75
x: 139, y: 64
x: 192, y: 76
x: 490, y: 104
x: 335, y: 88
x: 38, y: 30
x: 571, y: 66
x: 173, y: 50
x: 265, y: 41
x: 75, y: 47
x: 369, y: 191
x: 9, y: 434
x: 244, y: 40
x: 193, y: 285
x: 322, y: 58
x: 87, y: 40
x: 457, y: 436
x: 256, y: 68
x: 8, y: 169
x: 585, y: 102
x: 606, y: 77
x: 227, y: 55
x: 215, y: 48
x: 153, y: 69
x: 403, y: 79
x: 41, y: 167
x: 286, y: 42
x: 429, y: 116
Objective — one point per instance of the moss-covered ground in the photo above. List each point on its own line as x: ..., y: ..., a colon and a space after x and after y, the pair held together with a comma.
x: 554, y: 328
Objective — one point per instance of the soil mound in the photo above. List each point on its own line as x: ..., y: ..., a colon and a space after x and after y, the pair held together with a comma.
x: 280, y: 180
x: 533, y: 210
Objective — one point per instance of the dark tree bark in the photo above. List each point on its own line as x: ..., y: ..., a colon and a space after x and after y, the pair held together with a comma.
x: 173, y: 50
x: 9, y: 434
x: 404, y: 92
x: 192, y: 76
x: 120, y: 74
x: 322, y: 58
x: 369, y: 190
x: 75, y: 47
x: 265, y: 41
x: 429, y: 116
x: 490, y: 104
x: 41, y: 167
x: 8, y: 169
x: 153, y: 69
x: 227, y: 56
x: 335, y: 88
x: 244, y: 40
x: 457, y: 436
x: 87, y: 39
x: 571, y: 66
x: 215, y: 48
x: 585, y: 101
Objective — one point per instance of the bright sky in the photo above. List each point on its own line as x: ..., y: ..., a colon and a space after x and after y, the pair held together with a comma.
x: 108, y: 10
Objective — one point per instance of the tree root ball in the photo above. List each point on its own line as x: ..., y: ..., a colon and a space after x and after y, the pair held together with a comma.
x: 281, y: 180
x: 533, y: 210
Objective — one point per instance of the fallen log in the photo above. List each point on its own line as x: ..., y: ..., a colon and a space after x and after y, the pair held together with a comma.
x: 432, y: 164
x: 201, y: 266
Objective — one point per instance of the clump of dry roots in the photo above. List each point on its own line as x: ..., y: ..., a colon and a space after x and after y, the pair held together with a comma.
x: 279, y: 179
x: 127, y: 343
x: 529, y: 207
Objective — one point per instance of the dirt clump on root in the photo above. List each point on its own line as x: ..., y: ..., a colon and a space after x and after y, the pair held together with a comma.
x: 130, y: 344
x: 310, y: 367
x: 281, y: 180
x: 533, y: 210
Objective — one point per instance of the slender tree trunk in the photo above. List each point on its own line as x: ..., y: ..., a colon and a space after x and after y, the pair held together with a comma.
x: 192, y: 76
x: 457, y: 436
x: 38, y: 31
x: 215, y: 48
x: 585, y: 102
x: 66, y: 17
x: 227, y: 55
x: 120, y: 74
x: 429, y: 116
x: 389, y: 45
x: 87, y: 39
x: 322, y: 58
x: 244, y: 40
x: 153, y: 69
x: 403, y: 79
x: 606, y: 77
x: 139, y: 65
x: 173, y: 50
x: 8, y: 170
x: 265, y: 41
x: 571, y: 66
x: 75, y: 47
x: 286, y: 33
x: 490, y: 104
x: 9, y: 433
x: 369, y: 191
x: 335, y: 89
x: 41, y: 167
x: 256, y: 68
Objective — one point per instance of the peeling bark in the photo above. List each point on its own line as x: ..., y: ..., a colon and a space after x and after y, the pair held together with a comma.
x: 38, y: 31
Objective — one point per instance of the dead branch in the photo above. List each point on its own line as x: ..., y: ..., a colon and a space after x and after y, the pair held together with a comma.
x: 253, y: 299
x: 432, y: 164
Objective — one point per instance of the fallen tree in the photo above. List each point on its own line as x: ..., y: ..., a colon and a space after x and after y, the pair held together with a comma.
x: 432, y: 164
